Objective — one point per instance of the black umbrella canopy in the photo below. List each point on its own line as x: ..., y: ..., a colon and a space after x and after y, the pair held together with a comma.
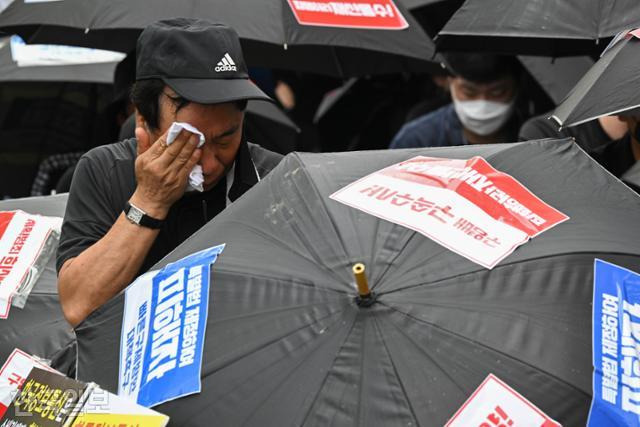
x: 611, y: 86
x: 538, y: 27
x: 287, y: 345
x: 40, y: 327
x: 415, y: 4
x: 269, y: 31
x: 433, y: 15
x: 267, y: 125
x: 557, y: 76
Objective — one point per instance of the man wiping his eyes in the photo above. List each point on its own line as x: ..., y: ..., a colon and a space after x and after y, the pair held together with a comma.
x: 131, y: 203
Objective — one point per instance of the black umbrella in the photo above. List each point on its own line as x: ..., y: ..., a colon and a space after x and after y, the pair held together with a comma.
x: 415, y: 4
x: 271, y: 35
x: 40, y: 327
x: 433, y: 15
x: 538, y: 27
x: 267, y: 125
x: 611, y: 86
x: 49, y: 109
x: 287, y: 345
x: 557, y: 76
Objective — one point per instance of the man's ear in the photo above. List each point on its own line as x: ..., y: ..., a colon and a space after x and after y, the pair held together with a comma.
x: 143, y: 135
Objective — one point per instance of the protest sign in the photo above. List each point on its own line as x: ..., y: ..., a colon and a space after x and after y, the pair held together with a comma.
x: 495, y: 404
x: 13, y: 373
x: 163, y: 330
x: 33, y: 55
x: 26, y: 244
x: 106, y: 409
x: 46, y: 399
x: 616, y: 341
x: 466, y: 206
x: 365, y: 14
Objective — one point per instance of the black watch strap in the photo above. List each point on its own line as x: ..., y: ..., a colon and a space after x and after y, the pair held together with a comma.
x: 140, y: 217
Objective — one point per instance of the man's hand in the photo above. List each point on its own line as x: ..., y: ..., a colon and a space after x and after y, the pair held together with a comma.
x: 162, y: 171
x: 106, y: 267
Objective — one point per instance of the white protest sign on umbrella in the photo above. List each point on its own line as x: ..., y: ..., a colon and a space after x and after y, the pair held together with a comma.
x: 26, y: 244
x: 28, y: 55
x: 465, y: 205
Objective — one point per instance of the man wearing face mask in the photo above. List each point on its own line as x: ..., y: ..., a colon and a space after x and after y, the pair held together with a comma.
x: 483, y: 90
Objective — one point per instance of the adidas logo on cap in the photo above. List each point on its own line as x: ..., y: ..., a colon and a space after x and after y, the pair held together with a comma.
x: 226, y: 64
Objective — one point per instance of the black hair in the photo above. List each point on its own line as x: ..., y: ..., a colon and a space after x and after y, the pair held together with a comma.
x: 483, y: 67
x: 145, y: 95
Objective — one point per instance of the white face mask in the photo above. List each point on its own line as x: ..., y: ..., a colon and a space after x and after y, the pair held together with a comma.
x: 482, y: 117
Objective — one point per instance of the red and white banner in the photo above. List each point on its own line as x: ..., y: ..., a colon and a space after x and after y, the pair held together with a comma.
x: 22, y: 242
x: 13, y: 373
x: 465, y: 205
x: 495, y: 404
x: 365, y: 14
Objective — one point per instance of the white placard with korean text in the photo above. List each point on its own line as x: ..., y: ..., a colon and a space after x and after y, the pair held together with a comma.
x: 466, y: 206
x: 25, y: 241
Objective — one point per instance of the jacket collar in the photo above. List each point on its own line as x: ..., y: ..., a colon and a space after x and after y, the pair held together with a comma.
x: 245, y: 175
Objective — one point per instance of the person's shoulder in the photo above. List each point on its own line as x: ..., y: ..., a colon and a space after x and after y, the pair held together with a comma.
x: 420, y: 131
x: 264, y: 160
x: 111, y: 153
x: 429, y: 119
x: 105, y: 165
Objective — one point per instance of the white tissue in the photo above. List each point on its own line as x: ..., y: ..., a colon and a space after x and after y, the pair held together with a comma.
x: 195, y: 177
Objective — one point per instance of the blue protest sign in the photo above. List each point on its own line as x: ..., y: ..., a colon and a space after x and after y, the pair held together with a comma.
x: 163, y: 330
x: 616, y: 347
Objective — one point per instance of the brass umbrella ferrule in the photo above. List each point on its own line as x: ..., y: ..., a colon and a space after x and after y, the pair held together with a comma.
x: 361, y: 280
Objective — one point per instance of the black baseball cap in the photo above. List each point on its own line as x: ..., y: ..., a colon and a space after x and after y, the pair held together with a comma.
x: 200, y: 60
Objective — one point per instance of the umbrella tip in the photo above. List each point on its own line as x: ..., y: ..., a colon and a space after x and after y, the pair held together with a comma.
x: 365, y: 296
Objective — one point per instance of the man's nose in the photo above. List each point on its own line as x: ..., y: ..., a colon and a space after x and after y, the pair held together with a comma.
x: 209, y: 162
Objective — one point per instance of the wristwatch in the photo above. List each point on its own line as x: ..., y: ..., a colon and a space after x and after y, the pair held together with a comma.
x: 140, y: 217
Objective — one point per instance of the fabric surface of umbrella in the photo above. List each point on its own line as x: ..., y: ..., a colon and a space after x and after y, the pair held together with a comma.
x: 538, y: 27
x: 269, y: 31
x: 414, y: 4
x: 267, y: 125
x: 40, y: 327
x: 287, y: 345
x: 611, y: 86
x: 433, y: 15
x: 557, y: 76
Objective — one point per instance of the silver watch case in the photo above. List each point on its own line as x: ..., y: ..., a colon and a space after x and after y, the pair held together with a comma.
x: 135, y: 214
